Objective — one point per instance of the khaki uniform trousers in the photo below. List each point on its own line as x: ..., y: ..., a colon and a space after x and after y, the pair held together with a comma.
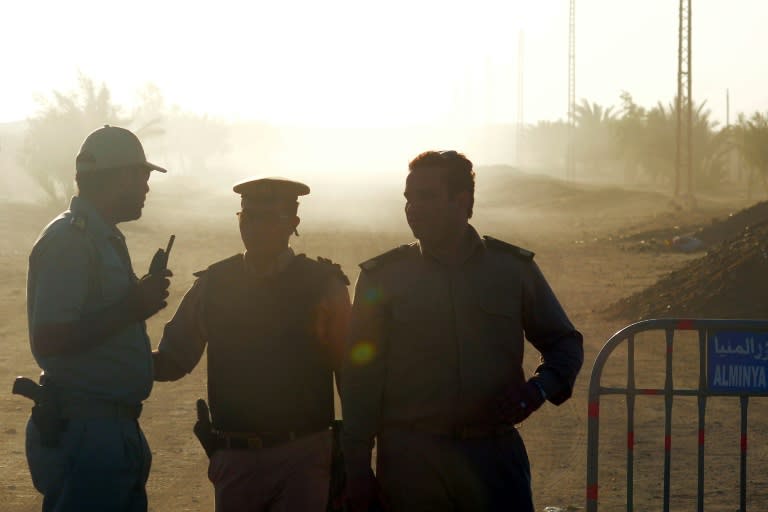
x: 289, y: 477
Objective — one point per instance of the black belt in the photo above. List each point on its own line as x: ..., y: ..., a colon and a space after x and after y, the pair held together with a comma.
x: 257, y: 440
x: 96, y: 409
x: 458, y: 432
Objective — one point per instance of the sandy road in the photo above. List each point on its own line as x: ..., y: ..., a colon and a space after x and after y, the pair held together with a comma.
x: 587, y: 270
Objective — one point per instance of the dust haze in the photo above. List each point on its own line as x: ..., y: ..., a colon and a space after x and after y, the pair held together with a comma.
x: 604, y: 237
x: 580, y: 231
x: 356, y: 175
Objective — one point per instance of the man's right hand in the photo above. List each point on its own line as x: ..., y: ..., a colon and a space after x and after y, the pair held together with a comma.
x: 149, y: 294
x: 363, y: 493
x: 516, y: 404
x: 145, y: 298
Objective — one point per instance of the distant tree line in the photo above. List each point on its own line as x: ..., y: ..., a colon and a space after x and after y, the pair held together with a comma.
x: 55, y: 132
x: 632, y: 144
x: 635, y: 144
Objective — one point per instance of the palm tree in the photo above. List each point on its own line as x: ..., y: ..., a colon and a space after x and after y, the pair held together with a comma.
x: 647, y: 140
x: 630, y: 131
x: 54, y: 135
x: 595, y: 135
x: 751, y: 137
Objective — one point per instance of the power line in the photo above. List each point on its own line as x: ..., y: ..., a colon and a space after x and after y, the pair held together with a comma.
x: 520, y: 124
x: 571, y: 151
x: 684, y: 151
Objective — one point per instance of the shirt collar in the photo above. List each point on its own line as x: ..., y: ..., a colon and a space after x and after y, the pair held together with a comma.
x: 94, y: 222
x: 469, y: 245
x: 281, y: 263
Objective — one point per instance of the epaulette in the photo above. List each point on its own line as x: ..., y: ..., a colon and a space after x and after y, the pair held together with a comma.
x: 335, y: 269
x: 79, y: 221
x: 235, y: 258
x: 500, y: 245
x: 391, y: 255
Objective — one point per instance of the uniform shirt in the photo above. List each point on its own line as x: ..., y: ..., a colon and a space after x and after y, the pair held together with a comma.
x: 439, y: 343
x: 185, y: 336
x: 80, y: 265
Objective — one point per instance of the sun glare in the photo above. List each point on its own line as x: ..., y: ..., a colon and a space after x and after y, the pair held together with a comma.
x: 342, y: 63
x: 337, y: 63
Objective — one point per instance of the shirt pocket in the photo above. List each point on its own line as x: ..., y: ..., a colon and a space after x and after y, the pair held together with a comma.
x: 498, y: 322
x: 114, y: 281
x: 500, y: 307
x: 421, y: 327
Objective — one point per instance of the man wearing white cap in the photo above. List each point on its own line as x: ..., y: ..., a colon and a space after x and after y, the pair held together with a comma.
x: 86, y: 311
x: 274, y: 324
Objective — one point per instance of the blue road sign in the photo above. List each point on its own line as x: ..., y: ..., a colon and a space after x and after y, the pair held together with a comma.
x: 737, y: 361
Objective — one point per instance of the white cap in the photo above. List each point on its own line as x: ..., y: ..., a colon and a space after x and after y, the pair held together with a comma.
x: 112, y: 147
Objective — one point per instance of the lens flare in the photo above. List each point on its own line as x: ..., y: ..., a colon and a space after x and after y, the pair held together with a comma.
x: 363, y: 353
x: 372, y: 296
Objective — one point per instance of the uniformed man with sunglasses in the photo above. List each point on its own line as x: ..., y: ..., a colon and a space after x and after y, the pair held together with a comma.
x: 435, y: 351
x: 274, y: 324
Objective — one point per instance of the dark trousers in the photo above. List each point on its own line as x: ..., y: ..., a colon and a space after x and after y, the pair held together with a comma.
x: 422, y: 472
x: 100, y: 465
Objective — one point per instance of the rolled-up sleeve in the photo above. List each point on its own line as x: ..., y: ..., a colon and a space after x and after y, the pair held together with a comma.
x: 548, y: 328
x: 333, y: 321
x: 185, y: 337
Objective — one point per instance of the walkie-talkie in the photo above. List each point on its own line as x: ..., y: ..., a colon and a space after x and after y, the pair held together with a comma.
x: 160, y: 259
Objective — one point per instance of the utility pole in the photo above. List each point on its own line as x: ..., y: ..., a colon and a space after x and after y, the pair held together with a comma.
x: 684, y: 152
x: 570, y: 164
x: 520, y: 124
x: 734, y: 159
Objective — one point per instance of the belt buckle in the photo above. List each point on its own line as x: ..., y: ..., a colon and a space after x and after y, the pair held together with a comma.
x: 255, y: 442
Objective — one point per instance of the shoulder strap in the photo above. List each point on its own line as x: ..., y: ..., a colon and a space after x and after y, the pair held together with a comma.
x: 79, y: 223
x: 221, y: 263
x: 334, y: 269
x: 387, y: 257
x: 500, y: 245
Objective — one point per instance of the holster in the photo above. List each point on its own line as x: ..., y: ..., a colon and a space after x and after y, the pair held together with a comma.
x: 203, y: 429
x: 46, y: 413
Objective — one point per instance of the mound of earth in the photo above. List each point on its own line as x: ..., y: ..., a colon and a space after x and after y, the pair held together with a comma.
x: 707, y: 234
x: 508, y: 186
x: 730, y: 281
x: 734, y: 224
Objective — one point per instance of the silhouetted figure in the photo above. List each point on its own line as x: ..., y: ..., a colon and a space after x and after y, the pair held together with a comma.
x: 434, y: 359
x: 274, y: 325
x: 86, y: 310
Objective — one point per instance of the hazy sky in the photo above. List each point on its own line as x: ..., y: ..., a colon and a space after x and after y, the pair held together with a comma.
x: 348, y: 63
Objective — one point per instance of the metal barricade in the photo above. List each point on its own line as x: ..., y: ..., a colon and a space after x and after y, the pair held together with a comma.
x: 733, y: 361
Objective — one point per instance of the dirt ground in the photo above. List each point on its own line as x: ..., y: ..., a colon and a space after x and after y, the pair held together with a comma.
x: 583, y: 239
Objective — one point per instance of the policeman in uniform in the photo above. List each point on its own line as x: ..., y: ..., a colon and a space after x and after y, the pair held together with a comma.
x: 274, y: 323
x: 435, y: 350
x: 86, y: 311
